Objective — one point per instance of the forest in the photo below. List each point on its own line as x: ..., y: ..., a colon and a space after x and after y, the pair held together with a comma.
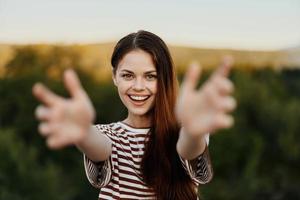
x: 258, y: 158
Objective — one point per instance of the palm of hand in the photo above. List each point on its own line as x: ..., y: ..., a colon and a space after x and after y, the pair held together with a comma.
x: 72, y: 119
x: 205, y: 110
x: 64, y: 121
x: 196, y: 113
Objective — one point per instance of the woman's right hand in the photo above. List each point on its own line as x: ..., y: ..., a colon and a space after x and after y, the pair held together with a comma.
x: 64, y: 121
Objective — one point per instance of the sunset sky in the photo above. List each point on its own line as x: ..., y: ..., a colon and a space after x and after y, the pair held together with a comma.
x: 238, y: 24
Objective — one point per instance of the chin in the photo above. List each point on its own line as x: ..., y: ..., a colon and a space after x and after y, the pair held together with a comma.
x: 139, y: 112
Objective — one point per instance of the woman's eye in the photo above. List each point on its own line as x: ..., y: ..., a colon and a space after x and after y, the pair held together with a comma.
x: 151, y: 77
x: 127, y: 76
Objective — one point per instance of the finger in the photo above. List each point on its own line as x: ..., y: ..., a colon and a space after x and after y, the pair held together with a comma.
x: 209, y: 92
x: 227, y: 104
x: 42, y: 113
x: 44, y: 129
x: 223, y: 85
x: 225, y: 67
x: 59, y: 138
x: 45, y: 95
x: 57, y: 142
x: 223, y: 121
x: 72, y: 83
x: 191, y: 77
x: 52, y: 142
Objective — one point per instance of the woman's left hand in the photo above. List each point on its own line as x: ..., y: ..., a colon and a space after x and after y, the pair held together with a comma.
x: 206, y: 110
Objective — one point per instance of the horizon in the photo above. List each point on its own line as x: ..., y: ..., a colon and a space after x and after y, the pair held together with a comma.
x: 168, y: 44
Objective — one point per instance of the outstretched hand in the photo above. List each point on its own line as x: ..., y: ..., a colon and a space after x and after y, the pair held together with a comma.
x: 205, y: 110
x: 64, y: 121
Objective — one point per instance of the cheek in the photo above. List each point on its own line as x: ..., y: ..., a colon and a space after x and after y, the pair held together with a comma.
x: 122, y: 91
x: 123, y: 87
x: 154, y: 88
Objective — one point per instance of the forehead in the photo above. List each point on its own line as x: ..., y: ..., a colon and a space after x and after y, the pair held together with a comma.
x: 137, y: 61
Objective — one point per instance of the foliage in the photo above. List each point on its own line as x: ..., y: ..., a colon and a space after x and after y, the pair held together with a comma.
x: 258, y: 158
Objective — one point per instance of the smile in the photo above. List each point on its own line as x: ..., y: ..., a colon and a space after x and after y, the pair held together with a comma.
x: 138, y: 98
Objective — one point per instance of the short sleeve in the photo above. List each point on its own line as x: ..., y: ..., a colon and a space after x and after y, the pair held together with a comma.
x: 99, y: 173
x: 200, y: 168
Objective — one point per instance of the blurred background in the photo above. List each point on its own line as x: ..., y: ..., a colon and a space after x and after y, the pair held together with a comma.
x: 259, y: 158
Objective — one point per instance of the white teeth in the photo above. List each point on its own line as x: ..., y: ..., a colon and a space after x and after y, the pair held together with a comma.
x: 138, y: 98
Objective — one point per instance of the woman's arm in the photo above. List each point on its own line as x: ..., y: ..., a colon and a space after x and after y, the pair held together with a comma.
x: 204, y: 110
x: 69, y: 121
x: 189, y: 146
x: 95, y: 145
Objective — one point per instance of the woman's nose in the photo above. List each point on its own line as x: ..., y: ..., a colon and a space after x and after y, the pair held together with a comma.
x: 139, y: 84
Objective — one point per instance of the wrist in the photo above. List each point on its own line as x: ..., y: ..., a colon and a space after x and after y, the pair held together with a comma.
x: 85, y: 135
x: 190, y: 146
x: 192, y: 135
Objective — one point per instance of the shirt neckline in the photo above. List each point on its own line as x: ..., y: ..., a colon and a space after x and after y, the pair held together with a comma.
x: 133, y: 129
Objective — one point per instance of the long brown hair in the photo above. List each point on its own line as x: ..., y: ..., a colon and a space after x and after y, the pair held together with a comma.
x: 161, y: 166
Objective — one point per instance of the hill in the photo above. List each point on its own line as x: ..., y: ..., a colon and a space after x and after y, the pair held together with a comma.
x: 292, y: 56
x: 96, y: 57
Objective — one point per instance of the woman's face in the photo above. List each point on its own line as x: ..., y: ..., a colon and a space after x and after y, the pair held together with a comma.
x: 136, y: 80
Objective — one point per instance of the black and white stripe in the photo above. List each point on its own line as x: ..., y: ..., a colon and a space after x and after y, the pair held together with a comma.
x: 119, y: 177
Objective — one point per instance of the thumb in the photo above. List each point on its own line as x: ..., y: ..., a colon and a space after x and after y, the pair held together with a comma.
x: 72, y: 83
x: 225, y: 66
x: 191, y: 77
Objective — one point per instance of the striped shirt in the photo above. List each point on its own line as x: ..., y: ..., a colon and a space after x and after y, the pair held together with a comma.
x: 120, y: 177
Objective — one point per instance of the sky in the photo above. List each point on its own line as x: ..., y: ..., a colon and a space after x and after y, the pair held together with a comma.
x: 236, y: 24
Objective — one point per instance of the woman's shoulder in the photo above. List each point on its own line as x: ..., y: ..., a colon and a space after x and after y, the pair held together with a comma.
x: 121, y: 129
x: 109, y: 128
x: 109, y: 125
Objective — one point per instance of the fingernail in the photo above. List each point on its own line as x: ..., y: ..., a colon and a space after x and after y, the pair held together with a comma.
x: 51, y: 143
x: 43, y: 129
x: 230, y: 121
x: 40, y: 112
x: 194, y: 64
x: 228, y: 60
x: 36, y: 87
x: 70, y: 70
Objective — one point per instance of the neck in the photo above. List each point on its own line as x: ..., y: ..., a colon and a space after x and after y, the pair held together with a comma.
x: 138, y: 121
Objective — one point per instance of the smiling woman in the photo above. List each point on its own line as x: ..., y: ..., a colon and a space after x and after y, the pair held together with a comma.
x: 135, y: 78
x: 160, y: 150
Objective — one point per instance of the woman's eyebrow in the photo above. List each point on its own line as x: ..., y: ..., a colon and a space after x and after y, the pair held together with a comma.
x: 147, y: 72
x: 126, y: 70
x: 150, y: 72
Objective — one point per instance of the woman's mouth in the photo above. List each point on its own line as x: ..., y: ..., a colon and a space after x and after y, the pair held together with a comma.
x: 139, y: 98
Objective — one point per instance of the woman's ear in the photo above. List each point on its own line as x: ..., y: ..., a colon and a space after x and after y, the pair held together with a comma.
x: 114, y: 79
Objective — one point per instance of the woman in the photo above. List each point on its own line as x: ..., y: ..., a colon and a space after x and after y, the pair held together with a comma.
x: 160, y: 150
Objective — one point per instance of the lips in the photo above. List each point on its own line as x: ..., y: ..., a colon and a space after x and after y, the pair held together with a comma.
x: 139, y: 98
